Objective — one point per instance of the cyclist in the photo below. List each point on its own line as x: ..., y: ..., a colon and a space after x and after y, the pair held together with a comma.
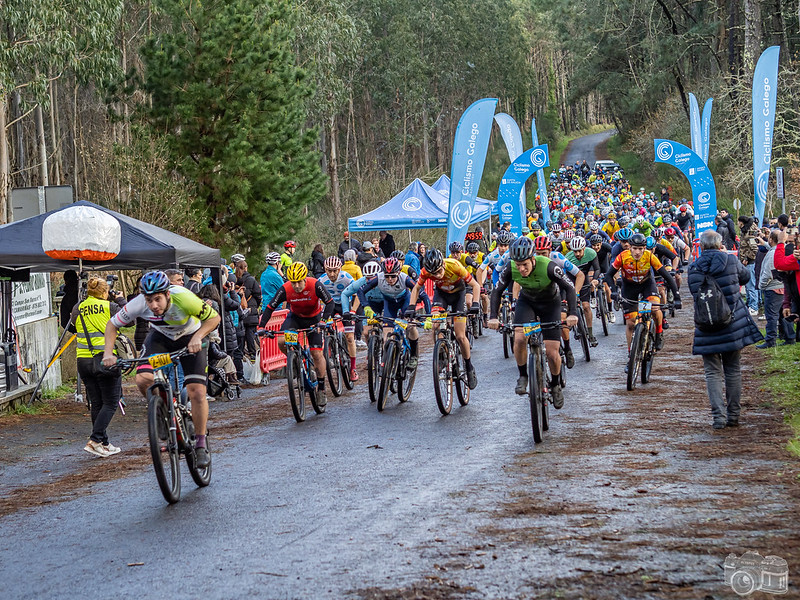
x: 288, y: 254
x: 540, y: 280
x: 450, y: 280
x: 544, y: 247
x: 610, y: 227
x: 474, y: 252
x: 394, y: 287
x: 470, y: 264
x: 336, y: 281
x: 586, y: 260
x: 492, y: 260
x: 178, y: 319
x: 603, y: 250
x: 374, y: 298
x: 308, y: 302
x: 636, y: 266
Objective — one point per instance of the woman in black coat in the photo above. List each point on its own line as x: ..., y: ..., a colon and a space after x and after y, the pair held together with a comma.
x: 318, y: 261
x: 721, y: 350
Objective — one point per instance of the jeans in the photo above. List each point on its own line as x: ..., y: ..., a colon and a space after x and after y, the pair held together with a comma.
x: 752, y: 290
x: 772, y: 310
x: 719, y: 369
x: 104, y: 392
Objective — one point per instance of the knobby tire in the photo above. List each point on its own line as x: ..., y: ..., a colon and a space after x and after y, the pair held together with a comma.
x: 163, y: 449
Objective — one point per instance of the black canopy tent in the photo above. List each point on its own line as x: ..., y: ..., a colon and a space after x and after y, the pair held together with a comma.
x: 143, y: 246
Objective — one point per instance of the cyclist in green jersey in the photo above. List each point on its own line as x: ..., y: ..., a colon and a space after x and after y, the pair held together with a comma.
x: 540, y: 281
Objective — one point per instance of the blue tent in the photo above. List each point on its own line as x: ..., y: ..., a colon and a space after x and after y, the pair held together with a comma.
x: 482, y: 206
x: 418, y: 206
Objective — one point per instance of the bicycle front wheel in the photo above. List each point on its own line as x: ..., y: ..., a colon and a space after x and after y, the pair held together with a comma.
x: 344, y: 362
x: 535, y: 393
x: 635, y: 357
x: 546, y: 379
x: 462, y: 387
x: 584, y: 334
x: 163, y: 445
x: 373, y: 366
x: 297, y: 392
x: 442, y: 377
x: 388, y: 372
x: 405, y: 381
x: 504, y: 320
x: 602, y: 306
x: 332, y: 366
x: 648, y: 353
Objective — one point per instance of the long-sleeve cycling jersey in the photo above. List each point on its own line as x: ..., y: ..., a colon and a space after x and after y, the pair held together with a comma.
x: 387, y: 290
x: 351, y: 290
x: 335, y: 288
x: 541, y: 285
x: 307, y: 303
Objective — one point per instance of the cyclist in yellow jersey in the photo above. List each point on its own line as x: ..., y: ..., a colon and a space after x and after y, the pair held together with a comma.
x: 457, y: 253
x: 474, y: 252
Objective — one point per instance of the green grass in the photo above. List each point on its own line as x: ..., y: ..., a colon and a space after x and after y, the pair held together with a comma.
x: 783, y: 381
x: 64, y: 389
x: 23, y: 408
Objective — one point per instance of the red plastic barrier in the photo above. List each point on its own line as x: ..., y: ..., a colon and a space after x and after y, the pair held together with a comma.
x: 271, y: 357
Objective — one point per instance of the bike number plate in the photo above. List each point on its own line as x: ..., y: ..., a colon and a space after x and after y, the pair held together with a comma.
x: 531, y: 328
x: 159, y: 361
x: 439, y: 318
x: 645, y: 306
x: 401, y: 323
x: 290, y: 337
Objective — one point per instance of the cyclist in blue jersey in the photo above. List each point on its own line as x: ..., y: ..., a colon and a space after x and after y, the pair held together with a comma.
x: 336, y: 281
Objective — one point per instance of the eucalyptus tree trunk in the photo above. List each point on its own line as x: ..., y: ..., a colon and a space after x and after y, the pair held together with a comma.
x: 4, y: 166
x: 44, y: 176
x: 333, y: 172
x: 752, y: 34
x: 54, y: 137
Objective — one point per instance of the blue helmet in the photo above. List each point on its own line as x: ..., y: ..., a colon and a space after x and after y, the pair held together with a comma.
x: 154, y: 282
x: 650, y: 242
x: 624, y: 234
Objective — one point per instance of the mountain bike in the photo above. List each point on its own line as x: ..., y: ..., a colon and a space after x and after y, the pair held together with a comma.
x: 337, y: 359
x: 374, y: 356
x: 600, y: 303
x: 581, y: 331
x: 169, y: 425
x: 506, y: 316
x: 643, y: 343
x: 449, y: 372
x: 395, y: 376
x: 301, y: 377
x: 539, y: 396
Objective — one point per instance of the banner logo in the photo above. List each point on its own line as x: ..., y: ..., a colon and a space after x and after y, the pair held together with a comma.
x: 361, y: 223
x: 412, y: 204
x: 664, y: 151
x: 762, y: 184
x: 462, y: 212
x: 538, y: 158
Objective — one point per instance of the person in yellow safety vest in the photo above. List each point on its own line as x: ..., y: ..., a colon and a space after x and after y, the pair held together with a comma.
x: 103, y: 387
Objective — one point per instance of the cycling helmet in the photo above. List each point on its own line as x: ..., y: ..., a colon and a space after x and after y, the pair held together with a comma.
x: 594, y: 226
x: 542, y: 243
x: 391, y: 266
x: 639, y: 219
x: 660, y: 231
x: 473, y: 247
x: 684, y: 208
x: 577, y: 243
x: 398, y: 254
x: 333, y: 263
x: 669, y: 231
x: 580, y: 222
x: 595, y: 239
x: 569, y: 234
x: 521, y: 249
x: 456, y: 248
x: 624, y: 220
x: 289, y: 244
x: 638, y: 240
x: 272, y: 258
x: 371, y: 269
x: 504, y: 238
x: 525, y: 231
x: 154, y: 282
x: 296, y: 272
x: 650, y: 242
x: 237, y: 258
x: 556, y: 227
x: 624, y: 234
x: 535, y: 226
x: 651, y: 209
x: 433, y: 260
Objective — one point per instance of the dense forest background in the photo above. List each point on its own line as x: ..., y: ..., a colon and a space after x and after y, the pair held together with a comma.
x: 242, y: 122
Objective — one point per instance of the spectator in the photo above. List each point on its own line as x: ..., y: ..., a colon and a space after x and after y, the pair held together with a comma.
x: 175, y: 276
x: 271, y: 280
x: 772, y: 288
x: 412, y: 259
x: 235, y: 313
x: 367, y: 254
x: 386, y: 244
x: 783, y: 221
x: 376, y: 248
x: 730, y: 225
x: 787, y: 259
x: 748, y: 249
x: 422, y: 249
x: 70, y: 297
x: 250, y: 291
x: 103, y: 386
x: 727, y: 234
x: 221, y: 355
x: 194, y: 279
x: 142, y: 326
x: 350, y: 267
x: 347, y: 244
x: 721, y: 350
x: 317, y: 266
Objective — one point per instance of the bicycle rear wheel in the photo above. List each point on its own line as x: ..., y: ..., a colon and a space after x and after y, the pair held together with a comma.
x: 545, y: 369
x: 201, y: 476
x: 506, y: 334
x: 375, y: 349
x: 460, y: 380
x: 313, y: 384
x: 297, y: 391
x: 405, y: 380
x: 163, y: 445
x: 648, y: 353
x: 344, y: 362
x: 442, y: 377
x: 584, y: 334
x: 635, y: 357
x: 387, y: 372
x: 535, y: 393
x: 332, y: 366
x: 562, y: 377
x: 602, y: 306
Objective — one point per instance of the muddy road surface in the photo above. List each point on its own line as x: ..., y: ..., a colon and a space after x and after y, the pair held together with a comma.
x: 631, y: 495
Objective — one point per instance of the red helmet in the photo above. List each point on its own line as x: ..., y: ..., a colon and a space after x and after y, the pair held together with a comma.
x: 669, y: 231
x: 391, y: 266
x: 543, y: 243
x: 289, y: 244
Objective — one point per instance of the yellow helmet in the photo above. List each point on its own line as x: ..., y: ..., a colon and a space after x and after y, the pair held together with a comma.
x: 297, y: 272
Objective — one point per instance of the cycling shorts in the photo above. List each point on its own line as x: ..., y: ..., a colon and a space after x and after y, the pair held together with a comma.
x: 632, y: 291
x: 454, y: 302
x: 295, y: 322
x: 544, y: 312
x: 394, y: 306
x: 585, y: 293
x: 195, y: 366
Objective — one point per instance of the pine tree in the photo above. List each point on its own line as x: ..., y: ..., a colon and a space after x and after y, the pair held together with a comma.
x: 227, y: 93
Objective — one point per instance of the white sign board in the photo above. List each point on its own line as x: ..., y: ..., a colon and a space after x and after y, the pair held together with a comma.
x: 737, y: 204
x: 779, y: 181
x: 31, y: 300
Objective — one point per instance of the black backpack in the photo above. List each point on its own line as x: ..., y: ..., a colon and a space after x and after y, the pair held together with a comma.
x: 712, y: 312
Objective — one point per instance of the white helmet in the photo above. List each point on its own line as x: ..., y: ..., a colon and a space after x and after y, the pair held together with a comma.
x: 371, y: 268
x: 577, y: 243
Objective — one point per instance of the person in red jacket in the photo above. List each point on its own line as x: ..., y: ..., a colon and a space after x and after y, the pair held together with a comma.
x: 787, y: 258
